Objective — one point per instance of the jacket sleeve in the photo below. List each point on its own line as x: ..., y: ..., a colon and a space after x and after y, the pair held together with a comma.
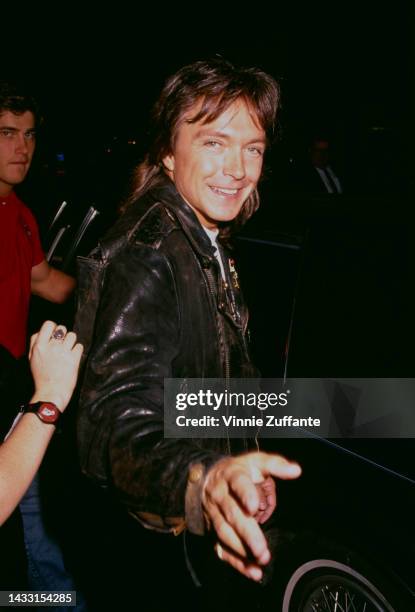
x: 120, y: 426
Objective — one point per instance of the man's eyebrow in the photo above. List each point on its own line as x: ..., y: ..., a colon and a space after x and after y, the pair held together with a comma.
x: 207, y: 132
x: 203, y: 132
x: 11, y: 128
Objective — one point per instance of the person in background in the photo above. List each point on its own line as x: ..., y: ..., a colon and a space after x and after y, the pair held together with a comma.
x: 23, y: 268
x: 316, y: 175
x: 25, y: 271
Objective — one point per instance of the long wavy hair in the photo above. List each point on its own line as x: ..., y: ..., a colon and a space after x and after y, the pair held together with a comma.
x: 216, y: 84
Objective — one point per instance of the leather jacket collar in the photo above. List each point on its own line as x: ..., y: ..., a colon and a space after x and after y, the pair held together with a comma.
x: 167, y: 193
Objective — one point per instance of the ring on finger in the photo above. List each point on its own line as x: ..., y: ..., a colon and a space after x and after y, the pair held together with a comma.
x: 58, y: 334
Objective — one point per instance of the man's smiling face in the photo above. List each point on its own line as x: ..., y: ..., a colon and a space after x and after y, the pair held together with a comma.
x: 216, y: 166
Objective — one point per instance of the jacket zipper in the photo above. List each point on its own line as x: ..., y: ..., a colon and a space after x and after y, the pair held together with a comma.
x: 211, y: 285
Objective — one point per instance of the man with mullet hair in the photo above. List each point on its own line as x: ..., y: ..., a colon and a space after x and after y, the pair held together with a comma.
x: 170, y: 307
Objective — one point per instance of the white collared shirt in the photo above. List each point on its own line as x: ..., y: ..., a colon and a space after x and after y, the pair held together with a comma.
x: 213, y: 234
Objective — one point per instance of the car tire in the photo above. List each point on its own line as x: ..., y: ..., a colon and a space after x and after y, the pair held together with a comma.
x: 327, y: 585
x: 308, y: 571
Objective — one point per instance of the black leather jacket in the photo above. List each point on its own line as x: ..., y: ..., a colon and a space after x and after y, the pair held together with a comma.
x: 161, y: 311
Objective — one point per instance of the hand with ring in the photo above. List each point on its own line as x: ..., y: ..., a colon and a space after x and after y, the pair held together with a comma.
x: 54, y: 357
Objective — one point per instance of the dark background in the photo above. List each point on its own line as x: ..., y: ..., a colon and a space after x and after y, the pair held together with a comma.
x: 345, y: 67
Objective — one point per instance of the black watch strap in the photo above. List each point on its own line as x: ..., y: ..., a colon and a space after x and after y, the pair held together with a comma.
x: 47, y: 412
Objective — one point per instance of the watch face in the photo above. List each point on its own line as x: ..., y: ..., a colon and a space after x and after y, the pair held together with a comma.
x: 48, y: 413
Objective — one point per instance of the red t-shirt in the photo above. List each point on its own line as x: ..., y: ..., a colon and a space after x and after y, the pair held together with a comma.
x: 20, y: 250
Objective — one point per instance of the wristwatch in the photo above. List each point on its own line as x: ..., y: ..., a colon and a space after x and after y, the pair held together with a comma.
x: 46, y: 411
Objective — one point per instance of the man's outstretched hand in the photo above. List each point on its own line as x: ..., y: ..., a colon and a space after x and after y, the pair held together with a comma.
x: 238, y: 494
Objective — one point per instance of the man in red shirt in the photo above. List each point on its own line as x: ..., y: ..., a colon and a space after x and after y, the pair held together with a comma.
x: 23, y: 271
x: 23, y: 268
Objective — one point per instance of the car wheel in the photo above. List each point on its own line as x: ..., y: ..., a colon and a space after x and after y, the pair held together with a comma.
x: 325, y: 585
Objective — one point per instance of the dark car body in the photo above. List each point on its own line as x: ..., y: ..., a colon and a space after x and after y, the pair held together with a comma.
x: 329, y: 286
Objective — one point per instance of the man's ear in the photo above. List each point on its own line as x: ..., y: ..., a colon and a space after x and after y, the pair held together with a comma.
x: 168, y: 163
